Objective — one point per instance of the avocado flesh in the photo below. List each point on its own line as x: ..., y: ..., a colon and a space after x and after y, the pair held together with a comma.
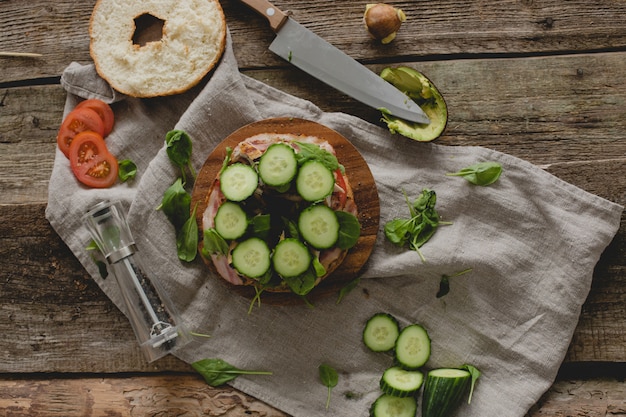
x: 419, y: 88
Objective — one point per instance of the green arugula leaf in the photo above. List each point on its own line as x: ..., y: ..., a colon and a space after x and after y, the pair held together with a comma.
x: 482, y: 173
x: 349, y: 230
x: 187, y: 239
x: 330, y: 378
x: 179, y: 148
x: 217, y: 372
x: 176, y: 204
x: 127, y: 170
x: 311, y: 151
x: 475, y: 373
x: 420, y: 227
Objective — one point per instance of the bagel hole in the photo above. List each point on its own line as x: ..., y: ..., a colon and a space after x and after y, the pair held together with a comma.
x: 148, y: 28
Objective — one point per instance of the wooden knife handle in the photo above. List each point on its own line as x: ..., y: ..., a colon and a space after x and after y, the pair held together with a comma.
x: 266, y: 9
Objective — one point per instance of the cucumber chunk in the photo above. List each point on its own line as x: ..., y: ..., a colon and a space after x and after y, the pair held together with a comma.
x: 444, y: 390
x: 231, y: 221
x: 412, y: 347
x: 390, y: 406
x: 251, y: 257
x: 380, y: 332
x: 278, y: 165
x: 238, y: 181
x: 314, y: 181
x: 319, y: 226
x: 291, y: 258
x: 400, y: 382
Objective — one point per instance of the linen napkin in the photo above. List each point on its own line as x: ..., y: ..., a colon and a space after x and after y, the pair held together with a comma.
x: 530, y: 239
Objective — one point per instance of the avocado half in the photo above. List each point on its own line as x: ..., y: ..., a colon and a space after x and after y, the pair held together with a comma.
x: 421, y: 90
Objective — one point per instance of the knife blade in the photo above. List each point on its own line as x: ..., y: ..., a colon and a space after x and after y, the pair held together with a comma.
x: 312, y: 54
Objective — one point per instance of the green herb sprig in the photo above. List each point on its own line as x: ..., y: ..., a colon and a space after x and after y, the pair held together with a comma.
x: 420, y: 227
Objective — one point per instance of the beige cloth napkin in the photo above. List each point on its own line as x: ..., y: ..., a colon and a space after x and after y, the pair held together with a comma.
x: 531, y: 240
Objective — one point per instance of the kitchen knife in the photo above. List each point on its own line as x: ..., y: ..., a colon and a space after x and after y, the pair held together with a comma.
x: 312, y: 54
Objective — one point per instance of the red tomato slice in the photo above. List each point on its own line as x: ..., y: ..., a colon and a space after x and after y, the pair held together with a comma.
x: 104, y: 111
x: 78, y: 120
x: 91, y: 161
x: 341, y: 195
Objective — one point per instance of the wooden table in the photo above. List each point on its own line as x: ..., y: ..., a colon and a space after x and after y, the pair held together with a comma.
x: 542, y: 80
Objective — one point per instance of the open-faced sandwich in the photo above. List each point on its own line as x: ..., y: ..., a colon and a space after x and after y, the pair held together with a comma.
x: 280, y: 214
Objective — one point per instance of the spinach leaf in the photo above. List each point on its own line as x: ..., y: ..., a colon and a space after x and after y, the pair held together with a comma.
x: 482, y: 173
x: 330, y: 378
x: 127, y: 170
x: 475, y: 373
x: 187, y: 239
x: 261, y: 226
x: 176, y: 204
x: 346, y: 289
x: 349, y: 230
x: 311, y: 151
x: 319, y: 269
x: 179, y: 148
x: 420, y: 227
x: 213, y: 243
x: 444, y: 283
x: 303, y: 283
x: 217, y: 372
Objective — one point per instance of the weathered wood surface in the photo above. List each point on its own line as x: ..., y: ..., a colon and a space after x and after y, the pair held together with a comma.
x: 539, y: 80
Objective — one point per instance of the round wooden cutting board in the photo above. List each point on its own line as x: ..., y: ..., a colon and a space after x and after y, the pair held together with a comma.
x: 361, y: 180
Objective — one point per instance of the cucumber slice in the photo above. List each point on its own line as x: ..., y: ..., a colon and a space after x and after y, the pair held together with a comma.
x: 412, y: 347
x: 400, y: 382
x: 231, y: 221
x: 278, y: 165
x: 238, y: 181
x: 444, y: 390
x: 251, y: 257
x: 380, y: 332
x: 319, y: 226
x: 390, y: 406
x: 291, y: 258
x: 314, y: 181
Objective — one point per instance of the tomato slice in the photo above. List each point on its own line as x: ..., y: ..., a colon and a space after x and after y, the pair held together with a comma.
x: 78, y: 120
x: 104, y: 111
x: 91, y: 161
x: 342, y: 196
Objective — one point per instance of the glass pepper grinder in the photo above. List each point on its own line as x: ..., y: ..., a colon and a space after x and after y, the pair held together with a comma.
x: 157, y: 326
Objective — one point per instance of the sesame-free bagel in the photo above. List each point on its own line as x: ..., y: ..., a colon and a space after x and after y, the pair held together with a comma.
x: 194, y: 36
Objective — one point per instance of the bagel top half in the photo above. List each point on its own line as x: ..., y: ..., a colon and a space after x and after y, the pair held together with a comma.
x: 192, y: 42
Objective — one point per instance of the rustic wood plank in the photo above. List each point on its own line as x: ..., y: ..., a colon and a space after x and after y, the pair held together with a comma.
x: 188, y: 394
x: 582, y: 118
x: 59, y: 31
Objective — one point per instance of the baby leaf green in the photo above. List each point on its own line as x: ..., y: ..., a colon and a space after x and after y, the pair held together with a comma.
x: 127, y: 170
x: 329, y: 377
x: 475, y: 373
x: 187, y: 239
x: 217, y: 372
x: 349, y: 230
x: 179, y: 148
x: 176, y: 204
x: 482, y: 173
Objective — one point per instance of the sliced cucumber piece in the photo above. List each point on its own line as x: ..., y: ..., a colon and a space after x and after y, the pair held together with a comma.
x: 400, y: 382
x: 231, y: 221
x: 380, y: 332
x: 314, y: 181
x: 390, y: 406
x: 444, y: 390
x: 251, y: 257
x: 291, y: 258
x: 319, y: 226
x: 238, y: 181
x: 278, y: 165
x: 412, y: 347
